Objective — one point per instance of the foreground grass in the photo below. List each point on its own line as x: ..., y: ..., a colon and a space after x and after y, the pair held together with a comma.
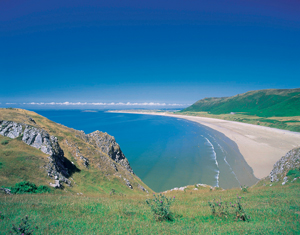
x: 273, y: 210
x: 285, y: 123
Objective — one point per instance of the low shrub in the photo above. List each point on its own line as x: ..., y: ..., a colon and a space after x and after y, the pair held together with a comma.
x: 294, y: 173
x: 160, y: 206
x: 28, y: 187
x: 4, y: 142
x: 24, y: 228
x: 219, y: 208
x: 224, y: 209
x: 244, y: 189
x: 240, y: 213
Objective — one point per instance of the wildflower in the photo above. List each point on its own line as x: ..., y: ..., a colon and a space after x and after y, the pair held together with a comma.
x: 160, y: 201
x: 219, y: 204
x: 239, y: 197
x: 174, y: 197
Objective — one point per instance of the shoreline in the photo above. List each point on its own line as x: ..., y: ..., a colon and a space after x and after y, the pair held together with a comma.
x: 260, y: 146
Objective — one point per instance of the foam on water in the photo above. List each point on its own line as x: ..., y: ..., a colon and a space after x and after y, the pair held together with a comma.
x: 216, y: 161
x: 225, y: 159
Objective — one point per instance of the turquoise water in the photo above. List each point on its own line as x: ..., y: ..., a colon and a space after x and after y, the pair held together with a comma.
x: 166, y: 152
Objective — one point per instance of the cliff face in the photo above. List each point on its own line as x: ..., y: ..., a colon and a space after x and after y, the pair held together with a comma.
x: 40, y: 139
x: 288, y: 162
x: 107, y: 144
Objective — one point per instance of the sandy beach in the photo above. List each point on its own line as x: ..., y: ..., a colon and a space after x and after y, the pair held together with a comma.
x: 260, y: 146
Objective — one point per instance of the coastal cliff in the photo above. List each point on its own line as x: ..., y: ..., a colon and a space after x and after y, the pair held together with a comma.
x: 72, y: 155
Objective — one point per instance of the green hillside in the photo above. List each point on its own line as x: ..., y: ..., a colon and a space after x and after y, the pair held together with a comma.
x: 262, y: 103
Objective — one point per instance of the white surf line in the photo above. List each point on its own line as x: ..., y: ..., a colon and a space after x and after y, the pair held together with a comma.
x: 215, y: 157
x: 225, y: 159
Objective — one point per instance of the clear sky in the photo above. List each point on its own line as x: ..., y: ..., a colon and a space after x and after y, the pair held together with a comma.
x: 166, y: 52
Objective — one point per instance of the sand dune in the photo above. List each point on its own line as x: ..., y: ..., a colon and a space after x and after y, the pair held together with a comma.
x: 260, y: 146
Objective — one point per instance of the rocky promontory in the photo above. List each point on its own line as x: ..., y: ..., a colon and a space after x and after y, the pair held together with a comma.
x: 40, y: 139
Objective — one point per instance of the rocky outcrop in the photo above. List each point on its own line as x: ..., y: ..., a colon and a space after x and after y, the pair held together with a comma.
x: 142, y: 188
x: 10, y: 129
x: 107, y: 144
x: 128, y: 184
x: 40, y: 139
x: 288, y: 162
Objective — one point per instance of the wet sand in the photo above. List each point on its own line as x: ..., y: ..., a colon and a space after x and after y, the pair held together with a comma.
x: 260, y: 146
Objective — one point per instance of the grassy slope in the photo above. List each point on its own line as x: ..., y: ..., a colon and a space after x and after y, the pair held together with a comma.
x: 262, y: 103
x: 273, y: 210
x: 23, y: 162
x: 272, y: 108
x: 18, y: 160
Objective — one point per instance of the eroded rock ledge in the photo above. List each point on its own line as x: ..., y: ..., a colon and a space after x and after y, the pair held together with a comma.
x: 107, y: 144
x: 38, y: 138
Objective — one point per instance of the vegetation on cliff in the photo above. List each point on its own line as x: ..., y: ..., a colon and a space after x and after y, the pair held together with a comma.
x: 277, y: 108
x: 262, y: 103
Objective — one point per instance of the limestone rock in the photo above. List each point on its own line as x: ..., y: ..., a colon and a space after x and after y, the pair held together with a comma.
x: 56, y: 184
x: 6, y: 191
x: 10, y: 129
x: 128, y: 183
x: 288, y: 162
x: 40, y: 139
x: 142, y: 188
x: 107, y: 144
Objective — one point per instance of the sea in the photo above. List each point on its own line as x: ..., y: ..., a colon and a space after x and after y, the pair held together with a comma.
x: 166, y: 152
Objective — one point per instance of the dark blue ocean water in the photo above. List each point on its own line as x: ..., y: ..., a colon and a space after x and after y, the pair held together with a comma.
x: 166, y: 152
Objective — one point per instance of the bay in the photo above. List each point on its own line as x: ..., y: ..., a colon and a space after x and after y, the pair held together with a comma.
x: 166, y: 152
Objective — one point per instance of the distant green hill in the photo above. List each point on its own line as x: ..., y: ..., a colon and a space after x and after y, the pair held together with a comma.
x: 262, y: 103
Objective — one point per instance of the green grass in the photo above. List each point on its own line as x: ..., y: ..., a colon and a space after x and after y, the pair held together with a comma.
x: 273, y: 210
x: 294, y: 173
x: 262, y: 103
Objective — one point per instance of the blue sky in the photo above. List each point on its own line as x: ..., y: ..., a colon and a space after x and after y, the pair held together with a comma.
x: 144, y: 53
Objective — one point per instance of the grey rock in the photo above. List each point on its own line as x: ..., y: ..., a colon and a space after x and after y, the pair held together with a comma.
x: 10, y: 129
x: 84, y: 159
x: 128, y: 183
x: 6, y: 191
x: 107, y: 144
x: 40, y: 139
x: 288, y: 162
x: 56, y: 184
x: 142, y: 188
x: 31, y: 119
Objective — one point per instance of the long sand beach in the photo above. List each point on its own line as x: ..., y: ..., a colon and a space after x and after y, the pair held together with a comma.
x: 260, y: 146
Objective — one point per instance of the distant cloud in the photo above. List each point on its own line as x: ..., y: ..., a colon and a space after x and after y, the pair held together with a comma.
x: 106, y: 104
x: 10, y: 103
